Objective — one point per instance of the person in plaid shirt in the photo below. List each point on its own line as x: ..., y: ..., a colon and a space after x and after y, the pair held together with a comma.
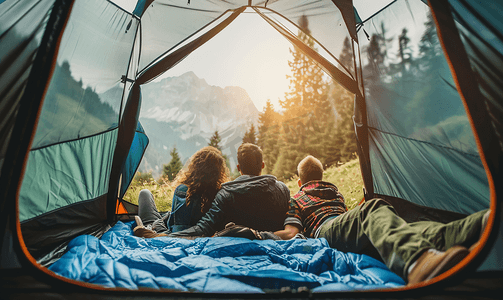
x: 316, y: 202
x: 415, y: 251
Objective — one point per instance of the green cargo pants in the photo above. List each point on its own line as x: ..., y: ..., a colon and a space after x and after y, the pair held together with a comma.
x: 375, y: 229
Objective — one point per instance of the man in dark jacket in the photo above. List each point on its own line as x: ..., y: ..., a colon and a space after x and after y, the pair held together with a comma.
x: 252, y: 200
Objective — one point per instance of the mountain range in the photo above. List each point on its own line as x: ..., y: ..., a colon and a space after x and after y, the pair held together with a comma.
x: 185, y: 111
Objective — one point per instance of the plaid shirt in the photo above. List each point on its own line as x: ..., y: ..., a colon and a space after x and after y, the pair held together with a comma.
x: 313, y: 204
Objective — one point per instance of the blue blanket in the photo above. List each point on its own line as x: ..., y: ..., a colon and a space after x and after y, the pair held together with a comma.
x: 223, y: 264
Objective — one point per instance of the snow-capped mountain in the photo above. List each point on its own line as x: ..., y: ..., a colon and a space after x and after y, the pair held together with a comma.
x: 185, y: 112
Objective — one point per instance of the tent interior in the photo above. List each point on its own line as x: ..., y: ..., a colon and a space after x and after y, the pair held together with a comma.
x: 425, y: 79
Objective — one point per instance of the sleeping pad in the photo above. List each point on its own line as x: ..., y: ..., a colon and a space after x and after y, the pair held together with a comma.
x: 221, y: 264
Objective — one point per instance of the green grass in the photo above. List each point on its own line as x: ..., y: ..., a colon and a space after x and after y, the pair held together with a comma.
x: 347, y: 177
x: 163, y: 193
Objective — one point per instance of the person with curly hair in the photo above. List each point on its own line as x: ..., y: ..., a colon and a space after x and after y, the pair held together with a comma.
x: 251, y: 200
x: 196, y: 188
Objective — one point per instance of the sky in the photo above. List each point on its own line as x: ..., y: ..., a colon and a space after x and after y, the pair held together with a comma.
x: 250, y: 54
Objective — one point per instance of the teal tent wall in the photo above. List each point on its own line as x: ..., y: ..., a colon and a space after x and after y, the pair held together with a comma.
x: 67, y: 176
x: 421, y: 145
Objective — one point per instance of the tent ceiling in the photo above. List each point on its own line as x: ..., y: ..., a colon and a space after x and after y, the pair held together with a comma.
x: 364, y: 8
x: 181, y: 20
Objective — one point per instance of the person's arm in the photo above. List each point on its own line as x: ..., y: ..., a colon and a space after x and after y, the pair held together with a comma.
x: 289, y: 232
x: 293, y: 222
x: 194, y: 231
x: 210, y: 222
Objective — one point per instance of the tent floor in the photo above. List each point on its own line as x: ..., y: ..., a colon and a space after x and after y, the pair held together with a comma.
x: 18, y: 284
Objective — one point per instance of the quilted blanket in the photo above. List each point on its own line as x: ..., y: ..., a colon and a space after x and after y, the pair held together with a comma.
x: 220, y: 265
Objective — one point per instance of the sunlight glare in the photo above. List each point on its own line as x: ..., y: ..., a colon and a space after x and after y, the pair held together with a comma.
x: 250, y: 54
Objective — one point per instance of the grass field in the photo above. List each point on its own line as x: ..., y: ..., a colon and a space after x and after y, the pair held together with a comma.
x: 347, y: 177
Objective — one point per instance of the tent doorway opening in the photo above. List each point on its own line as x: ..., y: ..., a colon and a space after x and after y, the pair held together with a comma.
x: 249, y: 84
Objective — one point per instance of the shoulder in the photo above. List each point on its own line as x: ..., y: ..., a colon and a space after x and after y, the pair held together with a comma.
x: 181, y: 190
x: 298, y: 195
x: 279, y: 184
x: 223, y: 194
x: 327, y: 184
x: 313, y: 184
x: 283, y: 187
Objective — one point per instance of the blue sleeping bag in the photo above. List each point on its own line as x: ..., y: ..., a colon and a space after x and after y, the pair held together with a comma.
x: 222, y: 264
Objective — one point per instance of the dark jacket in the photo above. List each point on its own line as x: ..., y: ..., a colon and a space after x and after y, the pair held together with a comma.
x: 183, y: 216
x: 259, y: 202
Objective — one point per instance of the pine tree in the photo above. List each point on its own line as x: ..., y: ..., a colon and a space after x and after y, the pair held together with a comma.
x: 215, y: 140
x: 175, y: 165
x: 346, y: 56
x: 268, y: 135
x: 429, y: 46
x: 343, y: 137
x: 342, y: 144
x: 304, y: 109
x: 426, y: 104
x: 403, y: 46
x: 250, y: 136
x: 376, y: 55
x: 306, y: 83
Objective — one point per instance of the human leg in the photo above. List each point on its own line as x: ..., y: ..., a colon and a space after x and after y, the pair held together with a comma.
x: 453, y: 238
x: 159, y: 225
x: 465, y: 232
x: 147, y: 209
x: 375, y: 224
x: 345, y: 233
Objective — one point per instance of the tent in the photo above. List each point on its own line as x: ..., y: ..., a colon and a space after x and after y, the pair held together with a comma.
x: 427, y: 122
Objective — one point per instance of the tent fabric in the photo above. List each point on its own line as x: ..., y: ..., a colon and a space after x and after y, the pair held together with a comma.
x: 480, y: 31
x: 125, y: 138
x: 341, y: 73
x: 40, y: 64
x: 138, y: 147
x: 182, y: 19
x: 440, y: 164
x: 223, y: 264
x: 468, y: 43
x: 72, y: 152
x: 171, y: 58
x: 421, y: 145
x: 85, y: 93
x: 47, y: 236
x: 344, y: 74
x: 21, y: 28
x: 65, y: 174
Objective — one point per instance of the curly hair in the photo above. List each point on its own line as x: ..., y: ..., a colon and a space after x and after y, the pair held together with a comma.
x: 204, y: 175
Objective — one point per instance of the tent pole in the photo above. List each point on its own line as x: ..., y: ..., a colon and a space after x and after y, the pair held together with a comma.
x: 125, y: 136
